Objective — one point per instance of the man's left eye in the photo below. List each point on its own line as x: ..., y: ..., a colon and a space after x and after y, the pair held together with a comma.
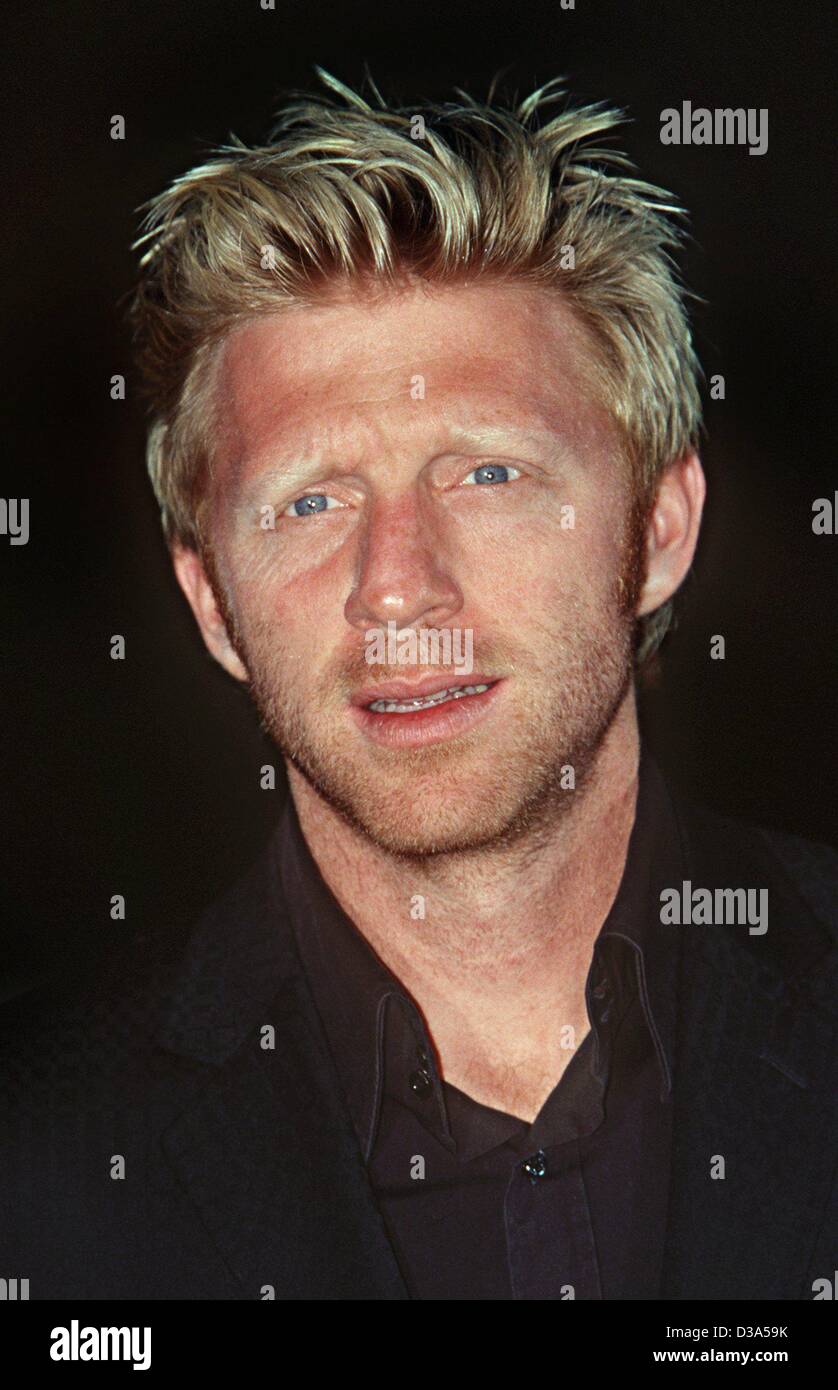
x: 313, y: 502
x: 492, y: 473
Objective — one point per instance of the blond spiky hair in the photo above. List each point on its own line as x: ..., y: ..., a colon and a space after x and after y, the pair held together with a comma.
x: 348, y: 192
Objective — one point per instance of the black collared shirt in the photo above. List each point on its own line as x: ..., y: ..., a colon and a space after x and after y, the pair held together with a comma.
x: 480, y: 1204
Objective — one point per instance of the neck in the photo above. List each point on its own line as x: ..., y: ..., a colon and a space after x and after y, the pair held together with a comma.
x: 494, y: 946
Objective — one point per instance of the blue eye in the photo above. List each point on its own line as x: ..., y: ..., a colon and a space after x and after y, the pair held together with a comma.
x: 314, y: 502
x: 492, y: 473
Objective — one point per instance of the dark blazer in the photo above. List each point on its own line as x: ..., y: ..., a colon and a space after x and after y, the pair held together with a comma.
x: 242, y: 1170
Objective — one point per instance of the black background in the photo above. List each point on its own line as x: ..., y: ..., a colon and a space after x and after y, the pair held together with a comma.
x: 141, y: 777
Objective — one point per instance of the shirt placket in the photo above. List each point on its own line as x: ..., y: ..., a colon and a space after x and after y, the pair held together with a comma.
x: 550, y: 1241
x: 550, y: 1238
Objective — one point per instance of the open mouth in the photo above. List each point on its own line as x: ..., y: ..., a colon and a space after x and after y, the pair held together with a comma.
x: 407, y: 714
x: 440, y: 697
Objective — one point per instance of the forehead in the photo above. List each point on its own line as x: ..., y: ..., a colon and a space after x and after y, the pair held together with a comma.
x: 506, y: 353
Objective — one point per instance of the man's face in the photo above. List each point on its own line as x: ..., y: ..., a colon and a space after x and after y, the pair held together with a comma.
x: 462, y: 476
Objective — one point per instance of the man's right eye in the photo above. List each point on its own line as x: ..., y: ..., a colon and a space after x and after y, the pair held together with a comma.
x: 313, y: 502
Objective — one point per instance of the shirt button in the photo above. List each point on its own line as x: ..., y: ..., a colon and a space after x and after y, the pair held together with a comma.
x: 535, y: 1166
x: 600, y: 990
x: 420, y: 1082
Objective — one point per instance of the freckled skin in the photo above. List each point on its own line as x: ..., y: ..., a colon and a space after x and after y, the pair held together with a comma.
x: 518, y: 872
x: 320, y: 401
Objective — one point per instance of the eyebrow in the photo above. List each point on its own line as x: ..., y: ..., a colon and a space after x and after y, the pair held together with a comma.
x: 281, y: 475
x: 481, y: 436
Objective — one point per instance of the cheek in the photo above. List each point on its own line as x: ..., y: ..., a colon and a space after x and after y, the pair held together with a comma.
x: 565, y: 561
x: 297, y: 612
x: 562, y: 534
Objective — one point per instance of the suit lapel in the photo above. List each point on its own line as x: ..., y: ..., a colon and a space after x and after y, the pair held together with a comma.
x: 266, y: 1150
x: 267, y: 1153
x: 754, y: 1087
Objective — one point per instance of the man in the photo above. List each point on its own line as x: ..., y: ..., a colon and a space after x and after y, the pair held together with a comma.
x: 496, y: 1015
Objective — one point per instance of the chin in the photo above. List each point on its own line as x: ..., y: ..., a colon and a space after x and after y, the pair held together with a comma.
x: 413, y: 815
x: 429, y: 834
x: 418, y: 844
x: 444, y: 816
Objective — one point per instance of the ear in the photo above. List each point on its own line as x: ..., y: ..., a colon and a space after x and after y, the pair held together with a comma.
x: 194, y: 582
x: 672, y: 531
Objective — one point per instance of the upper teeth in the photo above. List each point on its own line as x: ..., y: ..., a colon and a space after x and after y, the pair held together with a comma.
x: 425, y: 701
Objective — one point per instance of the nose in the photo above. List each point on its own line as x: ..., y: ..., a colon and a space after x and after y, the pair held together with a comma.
x: 401, y: 575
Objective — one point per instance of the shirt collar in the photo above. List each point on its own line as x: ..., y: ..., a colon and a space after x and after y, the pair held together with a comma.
x: 349, y: 982
x: 361, y: 1004
x: 655, y: 860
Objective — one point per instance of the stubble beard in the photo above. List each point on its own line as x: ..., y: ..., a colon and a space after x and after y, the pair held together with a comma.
x: 502, y: 781
x: 507, y: 778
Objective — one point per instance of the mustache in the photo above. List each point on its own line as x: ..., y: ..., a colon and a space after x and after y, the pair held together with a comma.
x: 353, y: 670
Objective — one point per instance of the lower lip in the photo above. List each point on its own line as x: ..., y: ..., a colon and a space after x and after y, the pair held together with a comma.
x: 435, y: 724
